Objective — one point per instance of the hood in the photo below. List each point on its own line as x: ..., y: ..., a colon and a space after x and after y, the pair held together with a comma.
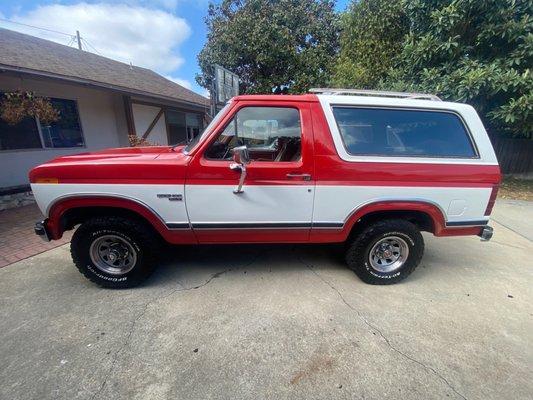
x: 121, y: 165
x: 116, y: 154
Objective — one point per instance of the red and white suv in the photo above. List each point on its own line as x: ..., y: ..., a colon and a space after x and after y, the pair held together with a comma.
x: 368, y: 170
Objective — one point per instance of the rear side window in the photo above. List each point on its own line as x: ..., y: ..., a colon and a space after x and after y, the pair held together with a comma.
x: 403, y: 133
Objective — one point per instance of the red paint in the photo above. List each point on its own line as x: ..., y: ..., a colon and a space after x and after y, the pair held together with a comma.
x: 165, y: 165
x: 203, y: 171
x: 58, y: 210
x: 252, y: 236
x: 340, y: 235
x: 332, y: 170
x: 492, y: 199
x: 152, y: 165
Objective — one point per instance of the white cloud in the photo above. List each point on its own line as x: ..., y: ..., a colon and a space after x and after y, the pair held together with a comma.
x: 146, y: 37
x: 183, y: 82
x: 168, y: 4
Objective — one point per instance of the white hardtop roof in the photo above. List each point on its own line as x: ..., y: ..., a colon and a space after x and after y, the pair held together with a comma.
x: 384, y: 98
x: 355, y: 100
x: 375, y: 93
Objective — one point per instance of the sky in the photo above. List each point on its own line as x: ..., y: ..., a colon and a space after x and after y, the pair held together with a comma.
x: 163, y: 35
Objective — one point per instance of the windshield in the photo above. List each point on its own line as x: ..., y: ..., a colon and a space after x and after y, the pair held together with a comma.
x: 207, y: 129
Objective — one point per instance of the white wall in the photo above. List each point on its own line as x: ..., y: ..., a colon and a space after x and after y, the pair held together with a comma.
x: 143, y: 116
x: 102, y: 119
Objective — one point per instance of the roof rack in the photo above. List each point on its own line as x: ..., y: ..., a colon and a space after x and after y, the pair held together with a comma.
x: 378, y: 93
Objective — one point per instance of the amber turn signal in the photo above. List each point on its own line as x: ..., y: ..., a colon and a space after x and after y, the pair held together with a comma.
x: 47, y: 180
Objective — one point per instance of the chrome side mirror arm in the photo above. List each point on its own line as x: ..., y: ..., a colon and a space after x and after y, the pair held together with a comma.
x: 241, y: 158
x: 242, y: 168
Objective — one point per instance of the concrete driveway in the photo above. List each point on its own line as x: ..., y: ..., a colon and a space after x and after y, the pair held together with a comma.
x: 516, y: 215
x: 274, y: 322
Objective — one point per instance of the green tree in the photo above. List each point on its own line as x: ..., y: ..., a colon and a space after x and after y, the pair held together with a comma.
x: 371, y: 38
x: 273, y: 45
x: 474, y: 51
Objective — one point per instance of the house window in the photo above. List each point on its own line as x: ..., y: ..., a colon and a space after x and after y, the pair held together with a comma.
x: 182, y: 127
x: 177, y: 127
x: 24, y: 135
x: 30, y: 133
x: 194, y: 125
x: 66, y: 132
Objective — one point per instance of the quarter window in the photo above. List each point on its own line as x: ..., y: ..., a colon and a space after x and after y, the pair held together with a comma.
x: 407, y: 133
x: 270, y: 133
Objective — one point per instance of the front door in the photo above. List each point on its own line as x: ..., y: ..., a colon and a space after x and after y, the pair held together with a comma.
x: 276, y: 203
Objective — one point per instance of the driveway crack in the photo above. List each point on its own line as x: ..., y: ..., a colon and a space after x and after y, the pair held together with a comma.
x: 381, y: 334
x: 154, y: 300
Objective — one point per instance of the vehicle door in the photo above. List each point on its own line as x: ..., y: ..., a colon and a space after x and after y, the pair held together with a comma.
x: 275, y: 203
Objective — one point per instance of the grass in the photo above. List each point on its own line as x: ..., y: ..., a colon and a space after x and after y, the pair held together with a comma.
x: 516, y: 189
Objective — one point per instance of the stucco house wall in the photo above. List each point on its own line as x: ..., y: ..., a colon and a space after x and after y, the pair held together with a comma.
x: 143, y: 115
x: 102, y: 118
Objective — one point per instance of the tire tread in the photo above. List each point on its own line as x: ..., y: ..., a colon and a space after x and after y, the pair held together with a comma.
x: 356, y: 251
x: 149, y: 243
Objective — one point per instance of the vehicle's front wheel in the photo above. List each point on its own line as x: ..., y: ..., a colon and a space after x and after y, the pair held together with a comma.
x: 114, y: 252
x: 386, y: 251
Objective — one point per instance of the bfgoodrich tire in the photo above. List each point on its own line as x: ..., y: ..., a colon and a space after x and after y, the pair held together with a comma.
x: 386, y: 252
x: 114, y: 252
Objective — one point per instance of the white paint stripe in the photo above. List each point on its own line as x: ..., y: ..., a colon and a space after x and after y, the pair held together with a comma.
x: 283, y: 203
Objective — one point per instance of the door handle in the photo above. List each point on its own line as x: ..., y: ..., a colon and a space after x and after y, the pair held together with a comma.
x: 303, y: 177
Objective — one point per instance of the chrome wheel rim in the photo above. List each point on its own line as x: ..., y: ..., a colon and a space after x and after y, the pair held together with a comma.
x: 113, y: 254
x: 388, y: 254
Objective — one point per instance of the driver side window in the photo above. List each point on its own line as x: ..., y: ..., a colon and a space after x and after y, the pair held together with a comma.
x: 270, y: 133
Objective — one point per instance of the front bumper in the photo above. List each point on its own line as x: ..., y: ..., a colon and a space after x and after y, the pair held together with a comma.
x: 40, y: 230
x: 486, y: 233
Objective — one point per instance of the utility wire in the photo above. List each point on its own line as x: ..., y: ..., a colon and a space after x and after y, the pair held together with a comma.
x: 36, y: 27
x: 71, y: 41
x: 90, y: 45
x: 72, y: 37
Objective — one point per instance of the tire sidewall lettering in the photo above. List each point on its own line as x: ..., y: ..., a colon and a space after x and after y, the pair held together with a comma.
x: 107, y: 278
x: 102, y: 232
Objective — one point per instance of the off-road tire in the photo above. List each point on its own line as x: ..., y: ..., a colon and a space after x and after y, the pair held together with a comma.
x: 358, y: 251
x: 140, y: 236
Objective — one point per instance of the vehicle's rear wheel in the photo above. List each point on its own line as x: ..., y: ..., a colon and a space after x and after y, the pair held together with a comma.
x: 114, y: 252
x: 386, y: 252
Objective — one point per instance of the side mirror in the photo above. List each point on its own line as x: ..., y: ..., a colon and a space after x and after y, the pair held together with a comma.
x: 241, y: 155
x: 241, y: 158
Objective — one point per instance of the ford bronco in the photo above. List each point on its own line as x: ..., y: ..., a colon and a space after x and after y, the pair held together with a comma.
x: 368, y: 169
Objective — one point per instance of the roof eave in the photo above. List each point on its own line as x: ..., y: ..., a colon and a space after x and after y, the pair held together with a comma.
x: 87, y: 82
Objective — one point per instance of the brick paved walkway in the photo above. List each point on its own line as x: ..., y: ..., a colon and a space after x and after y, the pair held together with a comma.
x: 17, y: 239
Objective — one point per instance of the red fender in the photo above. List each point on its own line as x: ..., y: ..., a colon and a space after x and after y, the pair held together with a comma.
x: 433, y: 211
x: 58, y: 209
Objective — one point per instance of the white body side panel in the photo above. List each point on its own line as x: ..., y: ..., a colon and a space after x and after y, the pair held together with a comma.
x: 272, y: 204
x: 218, y: 203
x: 336, y: 203
x: 168, y: 211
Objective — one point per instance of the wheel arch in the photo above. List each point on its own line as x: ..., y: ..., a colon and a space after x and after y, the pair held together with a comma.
x: 425, y: 215
x: 69, y: 211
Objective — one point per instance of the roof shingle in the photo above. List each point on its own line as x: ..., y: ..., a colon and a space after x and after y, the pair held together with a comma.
x: 21, y: 51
